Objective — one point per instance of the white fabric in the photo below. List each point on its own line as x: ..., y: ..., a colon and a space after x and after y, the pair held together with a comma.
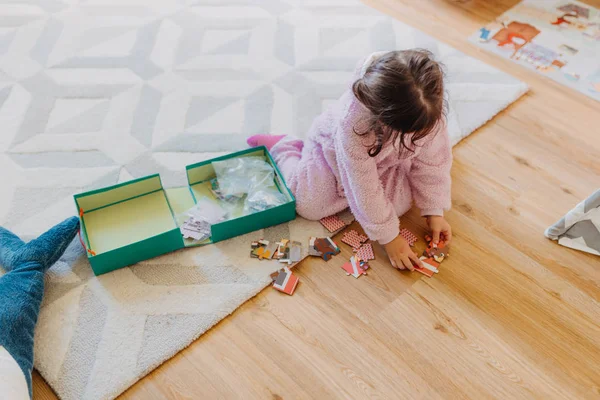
x: 12, y: 381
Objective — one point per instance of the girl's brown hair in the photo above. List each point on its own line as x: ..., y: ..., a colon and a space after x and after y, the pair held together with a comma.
x: 404, y: 90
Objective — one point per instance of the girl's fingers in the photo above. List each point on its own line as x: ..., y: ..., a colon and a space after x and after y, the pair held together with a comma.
x: 435, y: 235
x: 407, y: 263
x: 448, y: 235
x: 416, y: 260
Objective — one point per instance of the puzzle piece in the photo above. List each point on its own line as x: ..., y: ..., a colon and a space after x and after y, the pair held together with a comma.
x: 198, y: 230
x: 282, y: 249
x: 430, y: 267
x: 286, y: 281
x: 437, y: 251
x: 409, y: 236
x: 353, y: 267
x: 275, y: 274
x: 293, y: 253
x: 333, y: 223
x: 323, y: 247
x: 257, y: 252
x: 366, y: 252
x: 269, y: 251
x: 354, y: 239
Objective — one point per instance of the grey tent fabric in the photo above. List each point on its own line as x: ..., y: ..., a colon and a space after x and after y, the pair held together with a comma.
x: 579, y: 228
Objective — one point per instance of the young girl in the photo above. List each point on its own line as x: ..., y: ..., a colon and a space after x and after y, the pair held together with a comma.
x: 381, y: 146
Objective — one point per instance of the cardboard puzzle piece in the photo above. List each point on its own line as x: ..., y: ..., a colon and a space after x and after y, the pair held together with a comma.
x: 282, y: 249
x: 437, y: 251
x: 195, y: 229
x: 257, y: 252
x: 410, y: 237
x: 263, y: 249
x: 323, y: 247
x: 333, y: 223
x: 354, y: 239
x: 275, y: 274
x: 293, y: 253
x: 269, y: 251
x: 366, y: 252
x: 364, y: 265
x: 430, y: 267
x: 354, y: 268
x: 286, y: 281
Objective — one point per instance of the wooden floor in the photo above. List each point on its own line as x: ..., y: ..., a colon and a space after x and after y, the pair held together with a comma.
x: 510, y: 316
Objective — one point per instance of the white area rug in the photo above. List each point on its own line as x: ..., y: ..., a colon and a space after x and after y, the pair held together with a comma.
x: 99, y: 92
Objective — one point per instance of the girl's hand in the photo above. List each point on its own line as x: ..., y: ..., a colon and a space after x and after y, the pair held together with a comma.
x: 440, y: 229
x: 401, y: 255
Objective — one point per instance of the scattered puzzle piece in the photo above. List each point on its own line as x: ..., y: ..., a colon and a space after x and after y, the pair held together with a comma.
x: 282, y: 249
x: 269, y: 251
x: 323, y: 247
x: 333, y: 223
x: 195, y: 229
x: 286, y: 281
x: 410, y: 237
x: 353, y: 267
x: 366, y: 252
x: 430, y: 267
x: 293, y: 253
x: 354, y: 239
x: 424, y: 271
x: 275, y: 274
x: 437, y: 251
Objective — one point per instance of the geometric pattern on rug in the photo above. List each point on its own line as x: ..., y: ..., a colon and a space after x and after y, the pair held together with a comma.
x: 93, y: 94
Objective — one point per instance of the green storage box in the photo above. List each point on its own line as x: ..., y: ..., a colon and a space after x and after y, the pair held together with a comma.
x: 137, y: 220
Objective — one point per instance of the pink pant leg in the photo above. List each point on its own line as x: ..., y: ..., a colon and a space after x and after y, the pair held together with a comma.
x: 310, y: 178
x: 287, y: 154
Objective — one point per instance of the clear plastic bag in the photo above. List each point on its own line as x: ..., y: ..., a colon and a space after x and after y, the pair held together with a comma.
x: 238, y: 176
x: 263, y: 199
x: 250, y: 179
x: 207, y: 210
x: 198, y: 220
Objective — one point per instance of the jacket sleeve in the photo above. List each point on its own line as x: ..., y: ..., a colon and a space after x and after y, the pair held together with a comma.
x: 429, y: 175
x: 360, y: 180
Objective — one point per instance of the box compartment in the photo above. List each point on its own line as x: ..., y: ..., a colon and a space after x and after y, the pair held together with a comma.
x: 199, y: 176
x: 127, y: 223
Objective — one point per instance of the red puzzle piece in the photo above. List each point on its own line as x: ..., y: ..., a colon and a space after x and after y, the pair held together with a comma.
x: 354, y: 239
x: 365, y: 252
x: 333, y: 223
x: 409, y: 236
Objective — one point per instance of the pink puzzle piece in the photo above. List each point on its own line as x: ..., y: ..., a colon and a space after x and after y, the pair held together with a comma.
x: 352, y: 238
x: 353, y: 268
x: 333, y: 223
x: 365, y: 252
x: 409, y: 236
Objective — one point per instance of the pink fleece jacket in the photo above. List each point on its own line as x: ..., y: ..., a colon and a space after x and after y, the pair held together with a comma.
x: 332, y: 170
